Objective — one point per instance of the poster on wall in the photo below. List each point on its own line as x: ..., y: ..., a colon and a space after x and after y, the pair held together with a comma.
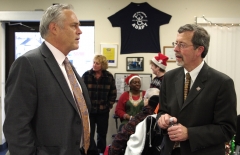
x: 110, y: 52
x: 169, y: 52
x: 134, y: 63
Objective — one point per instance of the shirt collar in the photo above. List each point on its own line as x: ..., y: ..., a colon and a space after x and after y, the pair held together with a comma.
x: 58, y: 55
x: 194, y: 73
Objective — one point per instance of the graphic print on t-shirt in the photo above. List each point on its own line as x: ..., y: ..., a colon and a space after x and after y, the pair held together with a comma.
x: 139, y: 20
x: 139, y: 23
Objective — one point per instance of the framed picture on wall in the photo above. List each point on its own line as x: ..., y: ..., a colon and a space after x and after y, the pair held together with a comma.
x: 134, y: 63
x: 110, y: 52
x: 169, y: 52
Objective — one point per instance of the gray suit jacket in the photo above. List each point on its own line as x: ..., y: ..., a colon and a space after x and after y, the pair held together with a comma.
x: 41, y: 115
x: 209, y: 111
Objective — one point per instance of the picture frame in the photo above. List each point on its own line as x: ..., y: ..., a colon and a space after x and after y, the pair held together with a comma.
x: 110, y: 52
x: 134, y: 63
x: 169, y: 52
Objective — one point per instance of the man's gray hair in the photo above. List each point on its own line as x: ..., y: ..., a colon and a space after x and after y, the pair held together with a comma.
x: 53, y: 14
x: 200, y: 36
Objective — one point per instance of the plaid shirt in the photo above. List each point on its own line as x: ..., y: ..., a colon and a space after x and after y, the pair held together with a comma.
x: 102, y: 91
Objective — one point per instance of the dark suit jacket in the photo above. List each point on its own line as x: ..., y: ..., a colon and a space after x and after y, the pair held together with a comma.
x: 209, y: 111
x: 41, y: 115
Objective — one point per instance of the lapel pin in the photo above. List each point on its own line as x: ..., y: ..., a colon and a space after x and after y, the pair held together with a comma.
x: 198, y: 88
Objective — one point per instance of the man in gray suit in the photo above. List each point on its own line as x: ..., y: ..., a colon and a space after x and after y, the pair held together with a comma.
x: 41, y: 114
x: 206, y: 120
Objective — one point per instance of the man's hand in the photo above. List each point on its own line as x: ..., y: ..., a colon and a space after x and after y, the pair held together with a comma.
x: 164, y: 121
x: 178, y: 132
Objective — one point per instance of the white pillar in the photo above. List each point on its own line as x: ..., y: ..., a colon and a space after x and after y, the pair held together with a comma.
x: 2, y: 79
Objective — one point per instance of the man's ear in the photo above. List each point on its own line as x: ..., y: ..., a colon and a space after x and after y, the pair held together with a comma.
x: 200, y: 49
x: 53, y: 28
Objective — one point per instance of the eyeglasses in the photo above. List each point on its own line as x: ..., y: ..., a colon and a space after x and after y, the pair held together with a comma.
x: 180, y: 45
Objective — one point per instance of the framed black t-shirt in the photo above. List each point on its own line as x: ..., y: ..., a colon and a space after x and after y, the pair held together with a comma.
x: 139, y: 23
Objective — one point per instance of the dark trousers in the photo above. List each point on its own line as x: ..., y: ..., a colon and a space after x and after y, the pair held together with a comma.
x: 101, y: 122
x: 176, y: 151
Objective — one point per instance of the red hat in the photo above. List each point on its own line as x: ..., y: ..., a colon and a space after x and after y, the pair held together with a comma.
x: 130, y: 77
x: 160, y: 61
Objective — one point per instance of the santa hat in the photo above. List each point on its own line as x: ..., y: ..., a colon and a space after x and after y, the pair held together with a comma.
x: 160, y: 61
x: 130, y: 77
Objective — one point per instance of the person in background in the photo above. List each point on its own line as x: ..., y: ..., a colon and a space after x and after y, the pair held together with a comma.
x: 158, y: 66
x: 202, y: 123
x: 130, y: 102
x: 42, y: 116
x: 102, y: 90
x: 120, y: 140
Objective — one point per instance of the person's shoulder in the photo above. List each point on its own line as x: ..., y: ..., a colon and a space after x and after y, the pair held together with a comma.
x: 126, y: 93
x: 107, y: 73
x: 214, y: 76
x: 32, y: 56
x: 42, y: 49
x: 86, y: 73
x: 32, y: 53
x: 174, y: 71
x: 215, y: 73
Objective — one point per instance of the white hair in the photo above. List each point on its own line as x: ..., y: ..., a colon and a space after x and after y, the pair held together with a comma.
x: 53, y: 14
x: 150, y: 92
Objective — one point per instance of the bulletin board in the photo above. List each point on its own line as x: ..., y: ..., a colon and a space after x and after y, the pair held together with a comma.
x: 121, y: 86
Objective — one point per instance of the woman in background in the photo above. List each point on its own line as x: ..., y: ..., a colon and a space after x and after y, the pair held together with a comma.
x: 130, y: 102
x: 102, y: 91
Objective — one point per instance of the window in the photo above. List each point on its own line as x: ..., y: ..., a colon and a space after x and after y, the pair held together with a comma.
x: 26, y: 39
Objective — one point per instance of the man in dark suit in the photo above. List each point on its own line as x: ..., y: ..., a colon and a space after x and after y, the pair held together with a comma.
x: 203, y: 122
x: 42, y: 117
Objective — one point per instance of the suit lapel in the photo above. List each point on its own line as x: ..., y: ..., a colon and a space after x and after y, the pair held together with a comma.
x: 179, y: 87
x: 198, y: 85
x: 54, y: 67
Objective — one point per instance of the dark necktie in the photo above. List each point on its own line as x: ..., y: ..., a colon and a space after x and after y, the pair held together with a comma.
x: 80, y: 102
x: 187, y: 85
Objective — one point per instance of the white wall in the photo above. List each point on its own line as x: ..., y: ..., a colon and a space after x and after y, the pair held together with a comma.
x: 182, y: 11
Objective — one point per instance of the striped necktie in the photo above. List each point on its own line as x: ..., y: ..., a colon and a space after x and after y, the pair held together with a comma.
x: 80, y: 102
x: 187, y: 85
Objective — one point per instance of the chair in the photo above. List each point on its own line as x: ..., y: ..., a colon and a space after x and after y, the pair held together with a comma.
x: 116, y: 120
x: 116, y: 123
